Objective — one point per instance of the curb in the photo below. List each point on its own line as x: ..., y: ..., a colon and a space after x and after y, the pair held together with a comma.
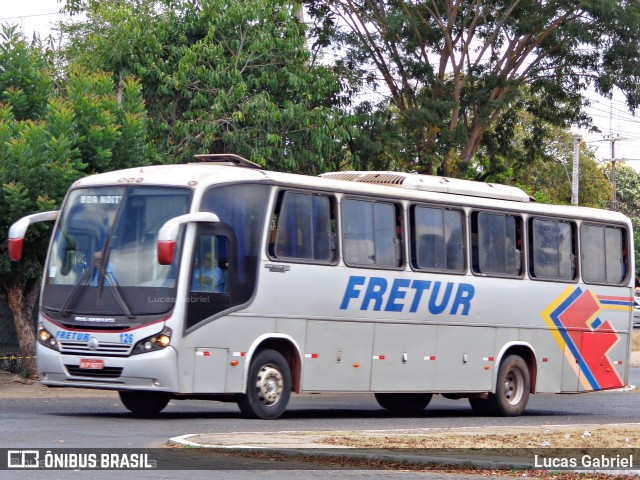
x: 445, y: 457
x: 309, y: 446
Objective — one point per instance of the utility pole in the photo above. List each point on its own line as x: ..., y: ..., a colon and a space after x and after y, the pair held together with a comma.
x: 614, y: 198
x: 576, y: 170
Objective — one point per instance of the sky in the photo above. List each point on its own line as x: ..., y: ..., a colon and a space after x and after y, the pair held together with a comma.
x: 31, y: 15
x: 615, y: 122
x: 610, y: 116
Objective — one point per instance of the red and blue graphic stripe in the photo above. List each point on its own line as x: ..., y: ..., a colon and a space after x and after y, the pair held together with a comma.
x: 586, y: 336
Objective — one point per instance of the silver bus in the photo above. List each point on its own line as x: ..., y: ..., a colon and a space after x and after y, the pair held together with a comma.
x: 219, y: 280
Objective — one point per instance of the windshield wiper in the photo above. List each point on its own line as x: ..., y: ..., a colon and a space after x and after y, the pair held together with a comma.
x: 86, y: 277
x: 105, y: 274
x: 117, y: 291
x: 98, y: 265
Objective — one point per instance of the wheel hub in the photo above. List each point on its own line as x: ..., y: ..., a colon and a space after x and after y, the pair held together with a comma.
x: 269, y: 385
x: 513, y: 387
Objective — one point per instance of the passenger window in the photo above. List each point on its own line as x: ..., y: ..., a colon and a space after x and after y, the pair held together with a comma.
x: 303, y: 228
x: 604, y: 254
x: 496, y: 244
x: 552, y: 250
x: 372, y: 233
x: 214, y: 279
x: 210, y: 265
x: 437, y: 240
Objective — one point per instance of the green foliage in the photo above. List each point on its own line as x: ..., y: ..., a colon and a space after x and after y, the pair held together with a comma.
x: 453, y: 70
x: 111, y: 133
x: 39, y: 160
x: 627, y: 188
x: 219, y: 76
x: 537, y: 156
x: 550, y: 182
x: 524, y: 150
x: 25, y: 80
x: 48, y: 138
x: 527, y: 130
x: 379, y: 142
x: 628, y: 197
x: 64, y: 134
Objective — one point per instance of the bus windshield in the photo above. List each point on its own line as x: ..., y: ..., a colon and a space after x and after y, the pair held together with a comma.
x: 103, y: 254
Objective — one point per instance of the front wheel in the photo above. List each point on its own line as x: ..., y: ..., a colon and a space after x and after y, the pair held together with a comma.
x: 268, y: 386
x: 403, y: 403
x: 512, y: 388
x: 144, y: 403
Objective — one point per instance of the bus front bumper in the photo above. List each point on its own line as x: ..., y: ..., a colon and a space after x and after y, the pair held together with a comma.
x: 153, y: 371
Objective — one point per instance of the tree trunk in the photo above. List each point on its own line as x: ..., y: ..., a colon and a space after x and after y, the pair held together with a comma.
x: 21, y: 300
x: 478, y: 127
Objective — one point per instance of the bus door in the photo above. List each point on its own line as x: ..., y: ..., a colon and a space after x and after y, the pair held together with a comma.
x: 213, y: 279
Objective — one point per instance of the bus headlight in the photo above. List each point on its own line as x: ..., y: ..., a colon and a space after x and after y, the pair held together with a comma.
x: 153, y: 343
x: 45, y: 338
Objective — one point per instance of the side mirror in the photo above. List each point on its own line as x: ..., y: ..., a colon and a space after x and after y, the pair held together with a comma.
x: 18, y: 230
x: 168, y: 233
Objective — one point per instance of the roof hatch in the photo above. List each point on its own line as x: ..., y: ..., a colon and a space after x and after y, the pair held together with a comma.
x: 432, y: 183
x: 227, y: 158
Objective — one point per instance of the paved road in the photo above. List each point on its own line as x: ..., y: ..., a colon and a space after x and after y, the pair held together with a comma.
x: 102, y: 422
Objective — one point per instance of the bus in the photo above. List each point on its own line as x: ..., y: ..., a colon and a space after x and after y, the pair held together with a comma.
x: 219, y: 280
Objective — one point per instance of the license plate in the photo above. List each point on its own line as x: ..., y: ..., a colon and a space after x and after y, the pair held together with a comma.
x: 91, y: 364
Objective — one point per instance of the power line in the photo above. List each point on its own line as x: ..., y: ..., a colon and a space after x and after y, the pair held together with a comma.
x: 18, y: 17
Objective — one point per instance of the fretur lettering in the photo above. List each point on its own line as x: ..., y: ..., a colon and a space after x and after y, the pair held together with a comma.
x: 401, y: 294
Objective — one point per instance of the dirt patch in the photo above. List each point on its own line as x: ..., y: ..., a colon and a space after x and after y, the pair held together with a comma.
x: 570, y: 436
x: 14, y: 386
x: 635, y: 349
x: 577, y: 436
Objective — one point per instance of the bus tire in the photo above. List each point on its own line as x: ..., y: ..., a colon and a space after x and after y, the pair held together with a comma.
x: 144, y: 403
x: 403, y: 403
x: 268, y: 386
x: 479, y: 406
x: 512, y: 388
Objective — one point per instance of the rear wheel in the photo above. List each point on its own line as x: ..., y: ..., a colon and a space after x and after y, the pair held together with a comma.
x: 268, y: 386
x: 144, y: 403
x: 512, y: 388
x: 403, y: 403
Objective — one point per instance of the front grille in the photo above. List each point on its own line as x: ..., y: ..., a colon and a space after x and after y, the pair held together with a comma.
x: 106, y: 372
x: 81, y: 348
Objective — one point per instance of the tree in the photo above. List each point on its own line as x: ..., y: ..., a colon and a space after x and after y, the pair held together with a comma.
x: 49, y: 137
x: 218, y: 76
x: 452, y: 67
x: 550, y: 182
x: 377, y: 141
x: 628, y: 197
x: 522, y: 149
